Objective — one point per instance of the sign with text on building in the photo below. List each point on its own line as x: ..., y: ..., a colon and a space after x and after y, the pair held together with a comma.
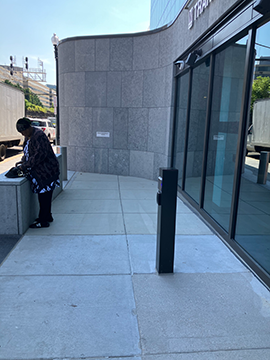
x: 196, y: 10
x: 102, y: 134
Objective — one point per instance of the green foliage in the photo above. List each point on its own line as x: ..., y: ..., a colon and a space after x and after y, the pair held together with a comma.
x: 260, y: 89
x: 18, y: 86
x: 33, y: 110
x: 27, y: 104
x: 32, y: 98
x: 30, y: 107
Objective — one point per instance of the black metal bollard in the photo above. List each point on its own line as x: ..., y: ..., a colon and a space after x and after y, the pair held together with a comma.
x: 166, y: 199
x: 263, y: 167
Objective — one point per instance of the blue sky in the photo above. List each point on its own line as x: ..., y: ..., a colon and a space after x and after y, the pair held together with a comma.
x: 27, y: 26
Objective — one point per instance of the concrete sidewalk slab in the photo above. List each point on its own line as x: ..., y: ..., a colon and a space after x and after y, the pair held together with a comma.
x: 139, y: 206
x: 251, y: 354
x: 94, y: 185
x: 149, y: 206
x: 72, y: 206
x: 138, y: 180
x: 7, y: 244
x: 183, y: 208
x: 73, y: 194
x: 140, y: 194
x: 84, y: 176
x: 48, y: 317
x: 146, y: 223
x: 185, y: 313
x: 140, y: 223
x: 190, y: 224
x: 86, y: 287
x: 140, y: 185
x: 68, y: 255
x: 193, y: 254
x: 83, y: 224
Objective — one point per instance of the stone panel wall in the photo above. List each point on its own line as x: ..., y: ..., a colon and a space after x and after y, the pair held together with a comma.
x: 122, y: 86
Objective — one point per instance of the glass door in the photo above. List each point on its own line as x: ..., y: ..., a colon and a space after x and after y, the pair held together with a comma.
x: 223, y: 136
x: 197, y: 118
x: 253, y: 218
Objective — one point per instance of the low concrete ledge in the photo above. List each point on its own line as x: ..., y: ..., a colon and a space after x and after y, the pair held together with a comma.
x: 19, y: 206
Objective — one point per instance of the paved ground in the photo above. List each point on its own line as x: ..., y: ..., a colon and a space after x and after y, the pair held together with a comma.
x: 86, y: 288
x: 13, y: 155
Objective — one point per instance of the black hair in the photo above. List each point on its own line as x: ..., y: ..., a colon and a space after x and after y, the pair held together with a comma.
x: 23, y: 124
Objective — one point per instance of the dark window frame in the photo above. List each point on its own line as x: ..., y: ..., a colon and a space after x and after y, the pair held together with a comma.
x: 228, y: 238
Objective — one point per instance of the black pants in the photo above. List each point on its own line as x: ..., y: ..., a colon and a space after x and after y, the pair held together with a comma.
x: 45, y: 204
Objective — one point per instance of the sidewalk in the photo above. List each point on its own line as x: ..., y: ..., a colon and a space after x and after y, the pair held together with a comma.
x: 86, y: 287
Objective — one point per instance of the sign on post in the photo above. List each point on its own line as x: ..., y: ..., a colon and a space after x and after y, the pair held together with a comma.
x: 55, y: 104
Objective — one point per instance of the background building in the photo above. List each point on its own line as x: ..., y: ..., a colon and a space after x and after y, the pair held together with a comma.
x: 176, y: 96
x: 44, y: 92
x: 262, y: 67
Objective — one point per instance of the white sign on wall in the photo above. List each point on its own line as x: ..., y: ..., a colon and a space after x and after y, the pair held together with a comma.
x: 218, y: 137
x: 102, y: 134
x: 196, y: 11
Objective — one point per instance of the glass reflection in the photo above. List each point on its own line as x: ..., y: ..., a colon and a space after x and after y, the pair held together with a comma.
x: 253, y: 219
x: 180, y: 129
x: 197, y: 119
x: 225, y: 116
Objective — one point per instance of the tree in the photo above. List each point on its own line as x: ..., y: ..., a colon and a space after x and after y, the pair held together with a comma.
x: 31, y: 97
x: 14, y: 85
x: 260, y: 89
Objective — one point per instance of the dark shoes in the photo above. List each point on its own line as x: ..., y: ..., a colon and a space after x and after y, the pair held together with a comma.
x: 49, y: 220
x: 37, y: 225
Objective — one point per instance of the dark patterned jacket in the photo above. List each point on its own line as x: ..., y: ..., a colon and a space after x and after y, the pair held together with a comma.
x: 42, y: 161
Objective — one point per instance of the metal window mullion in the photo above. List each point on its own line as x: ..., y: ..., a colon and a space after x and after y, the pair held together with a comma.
x: 207, y: 129
x: 242, y: 133
x: 187, y: 128
x: 175, y: 104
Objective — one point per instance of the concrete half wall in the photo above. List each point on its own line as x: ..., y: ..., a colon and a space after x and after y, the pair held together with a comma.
x: 19, y: 205
x: 116, y: 96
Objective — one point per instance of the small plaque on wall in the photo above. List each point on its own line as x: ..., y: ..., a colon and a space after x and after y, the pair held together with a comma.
x: 218, y: 137
x: 102, y: 134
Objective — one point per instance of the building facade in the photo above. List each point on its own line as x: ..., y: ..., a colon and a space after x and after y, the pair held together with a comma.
x: 163, y: 12
x: 46, y: 93
x: 176, y: 96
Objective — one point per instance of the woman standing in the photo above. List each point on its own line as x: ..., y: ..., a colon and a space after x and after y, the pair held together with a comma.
x: 42, y: 165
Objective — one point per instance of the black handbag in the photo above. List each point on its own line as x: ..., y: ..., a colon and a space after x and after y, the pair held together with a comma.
x: 15, y: 172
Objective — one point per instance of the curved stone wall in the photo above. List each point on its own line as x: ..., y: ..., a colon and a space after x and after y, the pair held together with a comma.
x: 116, y: 96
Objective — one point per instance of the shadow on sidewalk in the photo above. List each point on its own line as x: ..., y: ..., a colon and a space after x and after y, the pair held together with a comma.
x: 7, y: 243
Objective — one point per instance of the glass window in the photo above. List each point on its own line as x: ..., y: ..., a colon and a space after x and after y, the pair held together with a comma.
x: 253, y: 219
x: 164, y: 11
x: 198, y: 106
x: 180, y: 128
x: 225, y: 116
